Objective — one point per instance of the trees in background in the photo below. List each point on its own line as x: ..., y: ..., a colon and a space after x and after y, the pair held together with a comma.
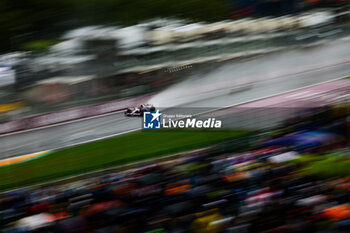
x: 25, y: 21
x: 22, y: 21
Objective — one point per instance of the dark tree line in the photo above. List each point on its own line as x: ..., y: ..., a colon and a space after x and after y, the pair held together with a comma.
x: 23, y: 21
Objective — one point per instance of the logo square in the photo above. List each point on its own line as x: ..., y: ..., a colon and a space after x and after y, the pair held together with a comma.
x: 152, y: 120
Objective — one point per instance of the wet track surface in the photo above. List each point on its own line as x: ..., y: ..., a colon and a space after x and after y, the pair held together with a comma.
x: 324, y: 64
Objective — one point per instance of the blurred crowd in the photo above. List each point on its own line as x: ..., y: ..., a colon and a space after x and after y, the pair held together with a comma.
x: 215, y: 190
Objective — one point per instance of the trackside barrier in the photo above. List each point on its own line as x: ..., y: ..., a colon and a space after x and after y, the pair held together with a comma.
x: 70, y: 114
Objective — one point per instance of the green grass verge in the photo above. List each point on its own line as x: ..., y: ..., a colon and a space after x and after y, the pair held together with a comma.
x: 108, y: 153
x: 39, y: 45
x: 325, y: 166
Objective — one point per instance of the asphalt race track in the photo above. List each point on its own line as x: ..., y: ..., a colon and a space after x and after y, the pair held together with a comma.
x: 325, y: 64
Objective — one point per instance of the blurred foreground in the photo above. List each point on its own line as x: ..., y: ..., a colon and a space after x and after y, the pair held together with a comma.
x: 291, y: 179
x: 295, y: 179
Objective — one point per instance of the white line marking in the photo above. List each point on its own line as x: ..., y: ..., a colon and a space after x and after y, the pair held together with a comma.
x: 198, y: 114
x: 97, y: 139
x: 168, y: 156
x: 206, y: 112
x: 116, y: 112
x: 269, y: 96
x: 62, y: 123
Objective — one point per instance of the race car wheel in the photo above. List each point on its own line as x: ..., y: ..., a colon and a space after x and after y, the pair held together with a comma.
x: 152, y: 109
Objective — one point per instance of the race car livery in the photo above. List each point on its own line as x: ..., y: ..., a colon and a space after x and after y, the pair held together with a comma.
x: 138, y: 111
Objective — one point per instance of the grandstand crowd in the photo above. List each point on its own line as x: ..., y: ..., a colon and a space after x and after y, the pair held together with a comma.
x: 256, y: 188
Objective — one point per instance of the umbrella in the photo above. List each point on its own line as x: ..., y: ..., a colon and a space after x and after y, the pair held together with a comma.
x: 100, y: 207
x: 313, y: 138
x: 280, y: 158
x: 304, y: 139
x: 338, y: 213
x: 35, y: 221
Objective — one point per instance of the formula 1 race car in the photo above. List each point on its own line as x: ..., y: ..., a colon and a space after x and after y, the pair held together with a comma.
x: 138, y: 111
